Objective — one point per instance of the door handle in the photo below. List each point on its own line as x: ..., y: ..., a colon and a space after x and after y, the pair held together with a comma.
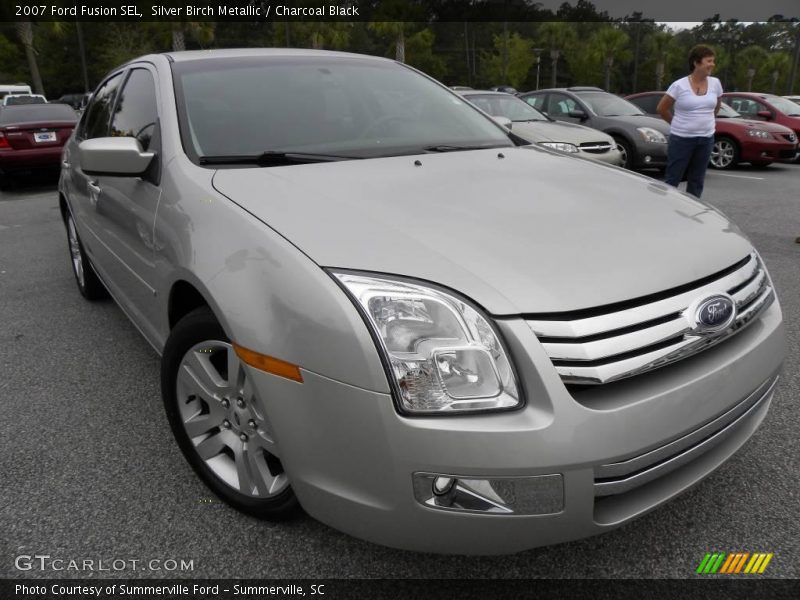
x: 94, y: 192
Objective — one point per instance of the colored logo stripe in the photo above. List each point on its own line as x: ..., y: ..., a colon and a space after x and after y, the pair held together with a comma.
x: 735, y: 562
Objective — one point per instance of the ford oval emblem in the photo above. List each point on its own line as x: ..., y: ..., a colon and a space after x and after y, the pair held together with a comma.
x: 715, y: 313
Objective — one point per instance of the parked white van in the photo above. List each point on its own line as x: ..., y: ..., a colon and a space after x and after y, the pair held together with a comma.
x: 20, y: 88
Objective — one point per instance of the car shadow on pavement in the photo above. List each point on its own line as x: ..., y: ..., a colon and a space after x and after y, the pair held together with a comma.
x: 28, y: 182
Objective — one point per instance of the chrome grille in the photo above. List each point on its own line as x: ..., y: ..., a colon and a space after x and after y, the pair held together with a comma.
x: 609, y: 345
x: 595, y: 147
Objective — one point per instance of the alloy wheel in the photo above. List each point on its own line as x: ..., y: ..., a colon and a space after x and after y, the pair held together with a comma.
x: 722, y: 154
x: 222, y: 418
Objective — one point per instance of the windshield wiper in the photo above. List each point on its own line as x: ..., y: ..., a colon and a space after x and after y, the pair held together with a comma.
x: 452, y: 148
x: 273, y: 158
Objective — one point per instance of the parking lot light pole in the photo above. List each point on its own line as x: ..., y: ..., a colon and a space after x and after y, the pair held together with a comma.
x: 538, y: 53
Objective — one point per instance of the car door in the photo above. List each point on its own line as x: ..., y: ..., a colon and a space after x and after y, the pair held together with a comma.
x: 560, y: 105
x: 126, y: 206
x: 79, y: 188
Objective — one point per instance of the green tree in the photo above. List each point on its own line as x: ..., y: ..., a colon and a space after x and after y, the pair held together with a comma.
x: 750, y: 61
x: 174, y: 34
x: 25, y: 34
x: 659, y: 46
x: 608, y: 45
x: 9, y: 60
x: 556, y: 37
x: 396, y: 32
x: 420, y: 54
x: 776, y: 66
x: 511, y: 60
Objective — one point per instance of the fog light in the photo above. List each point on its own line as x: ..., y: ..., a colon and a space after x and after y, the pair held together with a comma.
x: 647, y: 159
x: 442, y: 485
x: 538, y: 495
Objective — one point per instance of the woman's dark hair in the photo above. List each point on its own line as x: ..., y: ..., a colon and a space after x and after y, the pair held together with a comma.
x: 697, y: 54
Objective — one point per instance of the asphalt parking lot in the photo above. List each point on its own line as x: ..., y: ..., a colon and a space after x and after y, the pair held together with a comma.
x: 90, y: 470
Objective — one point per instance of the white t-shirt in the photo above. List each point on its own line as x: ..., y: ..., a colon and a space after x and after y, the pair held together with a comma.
x: 693, y: 115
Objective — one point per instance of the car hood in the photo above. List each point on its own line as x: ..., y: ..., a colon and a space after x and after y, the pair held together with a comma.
x: 556, y: 131
x: 634, y: 121
x: 518, y: 230
x: 752, y: 123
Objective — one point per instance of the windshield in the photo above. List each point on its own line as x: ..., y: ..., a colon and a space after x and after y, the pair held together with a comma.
x: 335, y: 106
x: 787, y: 107
x: 506, y: 106
x: 726, y: 111
x: 17, y: 100
x: 609, y: 105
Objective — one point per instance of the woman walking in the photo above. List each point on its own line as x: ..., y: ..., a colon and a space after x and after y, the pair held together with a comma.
x: 690, y: 107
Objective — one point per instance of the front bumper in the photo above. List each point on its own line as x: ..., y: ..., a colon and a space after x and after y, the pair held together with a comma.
x: 650, y: 155
x: 353, y: 461
x: 612, y: 157
x: 767, y: 150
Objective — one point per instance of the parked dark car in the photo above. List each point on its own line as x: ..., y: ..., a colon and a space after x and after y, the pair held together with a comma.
x: 765, y: 107
x: 76, y: 101
x: 737, y: 139
x: 506, y: 89
x: 641, y: 139
x: 32, y: 136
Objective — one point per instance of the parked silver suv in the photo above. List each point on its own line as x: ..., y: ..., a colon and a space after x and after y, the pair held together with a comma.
x: 369, y: 300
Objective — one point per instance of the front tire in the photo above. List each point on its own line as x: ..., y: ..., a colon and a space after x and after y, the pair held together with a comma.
x: 219, y: 422
x: 626, y: 150
x: 724, y: 153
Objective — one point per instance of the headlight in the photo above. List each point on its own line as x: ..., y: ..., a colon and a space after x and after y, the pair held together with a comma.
x: 443, y: 355
x: 652, y: 135
x: 560, y: 146
x: 759, y: 133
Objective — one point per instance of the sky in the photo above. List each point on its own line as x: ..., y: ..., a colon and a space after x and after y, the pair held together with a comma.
x: 689, y: 10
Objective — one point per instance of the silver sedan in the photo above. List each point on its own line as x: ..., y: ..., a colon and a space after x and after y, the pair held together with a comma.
x: 374, y: 302
x: 528, y: 123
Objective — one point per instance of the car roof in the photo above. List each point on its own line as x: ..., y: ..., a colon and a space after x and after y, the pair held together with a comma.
x: 190, y: 55
x: 483, y: 93
x: 580, y: 88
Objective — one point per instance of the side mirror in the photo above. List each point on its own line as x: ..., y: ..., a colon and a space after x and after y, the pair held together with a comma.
x: 121, y: 156
x: 504, y: 121
x: 765, y: 114
x: 577, y: 114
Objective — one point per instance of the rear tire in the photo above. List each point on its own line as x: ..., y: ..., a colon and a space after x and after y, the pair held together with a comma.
x: 218, y: 420
x: 88, y: 282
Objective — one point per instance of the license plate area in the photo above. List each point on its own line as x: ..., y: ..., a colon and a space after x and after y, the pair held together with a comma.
x: 44, y: 136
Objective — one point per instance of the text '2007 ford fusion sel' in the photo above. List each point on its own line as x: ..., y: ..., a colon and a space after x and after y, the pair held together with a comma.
x: 374, y: 302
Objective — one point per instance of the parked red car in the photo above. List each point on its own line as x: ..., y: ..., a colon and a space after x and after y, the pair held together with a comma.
x: 737, y: 139
x: 32, y: 136
x: 766, y: 108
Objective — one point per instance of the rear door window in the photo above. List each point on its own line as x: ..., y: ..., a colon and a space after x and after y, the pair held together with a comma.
x: 98, y: 113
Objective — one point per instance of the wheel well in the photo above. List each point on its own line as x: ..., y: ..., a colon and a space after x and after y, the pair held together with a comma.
x: 183, y: 299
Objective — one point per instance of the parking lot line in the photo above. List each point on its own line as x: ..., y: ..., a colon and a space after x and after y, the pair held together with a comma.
x: 740, y: 176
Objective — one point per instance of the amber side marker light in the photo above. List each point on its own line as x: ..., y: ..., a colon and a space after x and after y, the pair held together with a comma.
x: 269, y: 364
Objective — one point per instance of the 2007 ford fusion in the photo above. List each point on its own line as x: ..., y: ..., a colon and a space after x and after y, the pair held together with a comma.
x: 373, y: 301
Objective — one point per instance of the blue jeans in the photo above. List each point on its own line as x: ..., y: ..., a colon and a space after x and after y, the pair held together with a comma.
x: 688, y: 157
